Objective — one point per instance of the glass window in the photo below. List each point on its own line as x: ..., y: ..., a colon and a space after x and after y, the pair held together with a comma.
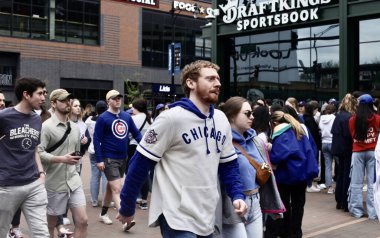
x: 288, y: 63
x: 158, y: 33
x: 21, y: 19
x: 74, y: 21
x: 369, y: 59
x: 5, y: 17
x: 40, y: 23
x: 367, y: 29
x: 77, y: 21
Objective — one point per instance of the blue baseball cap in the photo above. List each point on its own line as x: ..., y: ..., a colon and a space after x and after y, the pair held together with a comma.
x: 159, y: 106
x: 365, y: 99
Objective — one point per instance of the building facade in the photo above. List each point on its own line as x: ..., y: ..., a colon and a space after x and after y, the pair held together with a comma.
x: 91, y: 46
x: 308, y: 49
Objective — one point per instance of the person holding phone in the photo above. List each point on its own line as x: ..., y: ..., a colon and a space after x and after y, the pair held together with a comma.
x: 63, y: 182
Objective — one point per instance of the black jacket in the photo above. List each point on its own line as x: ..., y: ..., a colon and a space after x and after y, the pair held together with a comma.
x: 314, y: 130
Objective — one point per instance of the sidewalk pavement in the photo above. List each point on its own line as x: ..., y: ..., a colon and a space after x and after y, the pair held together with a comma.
x: 321, y: 219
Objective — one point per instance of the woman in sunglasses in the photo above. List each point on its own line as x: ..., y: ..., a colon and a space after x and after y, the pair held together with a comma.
x: 239, y: 114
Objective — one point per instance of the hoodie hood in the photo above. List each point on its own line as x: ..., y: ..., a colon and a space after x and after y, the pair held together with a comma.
x: 249, y: 135
x: 186, y: 104
x: 325, y: 124
x: 326, y: 119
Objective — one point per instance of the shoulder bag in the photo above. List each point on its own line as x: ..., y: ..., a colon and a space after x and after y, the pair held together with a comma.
x: 263, y: 171
x: 67, y: 132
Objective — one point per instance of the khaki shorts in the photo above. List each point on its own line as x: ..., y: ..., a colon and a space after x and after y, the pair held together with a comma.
x: 114, y: 168
x: 59, y: 201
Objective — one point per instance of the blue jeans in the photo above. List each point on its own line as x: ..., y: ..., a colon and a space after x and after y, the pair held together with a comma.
x: 96, y: 175
x: 361, y: 162
x: 254, y: 221
x: 168, y: 232
x: 326, y: 150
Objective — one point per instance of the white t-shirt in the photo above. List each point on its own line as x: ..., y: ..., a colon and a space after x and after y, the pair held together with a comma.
x: 139, y: 119
x: 91, y: 127
x: 185, y: 177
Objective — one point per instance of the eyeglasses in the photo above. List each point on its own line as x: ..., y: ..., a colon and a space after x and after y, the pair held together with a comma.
x: 248, y: 113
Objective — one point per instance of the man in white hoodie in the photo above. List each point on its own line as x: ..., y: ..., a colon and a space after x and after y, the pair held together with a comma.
x: 325, y: 124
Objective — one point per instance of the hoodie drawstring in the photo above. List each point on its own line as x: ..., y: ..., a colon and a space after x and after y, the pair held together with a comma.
x: 208, y: 151
x: 216, y: 141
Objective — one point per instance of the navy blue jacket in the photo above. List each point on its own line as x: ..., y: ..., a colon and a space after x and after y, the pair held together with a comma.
x: 342, y: 141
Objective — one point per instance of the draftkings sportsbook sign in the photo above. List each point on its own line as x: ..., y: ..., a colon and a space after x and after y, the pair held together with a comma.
x: 267, y: 13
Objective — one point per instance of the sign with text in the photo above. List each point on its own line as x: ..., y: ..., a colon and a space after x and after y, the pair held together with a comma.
x: 6, y: 80
x: 161, y: 88
x: 144, y: 3
x: 174, y: 59
x: 267, y: 13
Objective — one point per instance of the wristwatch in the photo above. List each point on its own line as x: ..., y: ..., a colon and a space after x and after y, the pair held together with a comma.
x: 42, y: 172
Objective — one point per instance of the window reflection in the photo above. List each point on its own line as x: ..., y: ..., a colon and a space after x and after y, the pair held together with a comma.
x: 303, y: 63
x: 157, y: 35
x: 369, y: 59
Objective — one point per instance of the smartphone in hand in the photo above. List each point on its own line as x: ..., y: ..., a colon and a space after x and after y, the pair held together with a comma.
x: 76, y: 153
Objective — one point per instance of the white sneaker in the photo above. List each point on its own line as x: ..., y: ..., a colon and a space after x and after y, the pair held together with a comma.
x: 66, y: 221
x: 105, y: 219
x: 312, y: 189
x: 321, y: 186
x: 94, y: 204
x: 331, y: 190
x: 15, y: 233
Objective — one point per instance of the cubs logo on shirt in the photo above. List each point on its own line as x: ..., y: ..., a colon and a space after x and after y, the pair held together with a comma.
x: 119, y: 128
x: 151, y: 137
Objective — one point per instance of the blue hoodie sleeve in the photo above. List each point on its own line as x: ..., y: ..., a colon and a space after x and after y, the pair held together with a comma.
x: 98, y: 135
x: 230, y: 177
x: 138, y: 169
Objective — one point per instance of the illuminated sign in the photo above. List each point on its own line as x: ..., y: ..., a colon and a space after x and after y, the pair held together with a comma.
x: 145, y: 3
x: 193, y: 7
x: 161, y: 88
x: 267, y: 13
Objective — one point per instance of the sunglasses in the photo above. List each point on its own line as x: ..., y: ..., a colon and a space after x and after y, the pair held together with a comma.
x: 248, y: 113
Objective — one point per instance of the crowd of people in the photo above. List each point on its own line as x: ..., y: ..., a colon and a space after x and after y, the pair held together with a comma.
x: 197, y: 160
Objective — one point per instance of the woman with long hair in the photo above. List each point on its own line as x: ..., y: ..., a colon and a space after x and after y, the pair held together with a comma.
x: 311, y: 124
x: 341, y: 147
x: 142, y: 119
x: 293, y: 158
x: 248, y: 146
x: 261, y: 123
x: 75, y: 116
x: 364, y: 127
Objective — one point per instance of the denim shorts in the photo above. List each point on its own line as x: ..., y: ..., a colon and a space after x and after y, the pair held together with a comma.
x: 114, y: 168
